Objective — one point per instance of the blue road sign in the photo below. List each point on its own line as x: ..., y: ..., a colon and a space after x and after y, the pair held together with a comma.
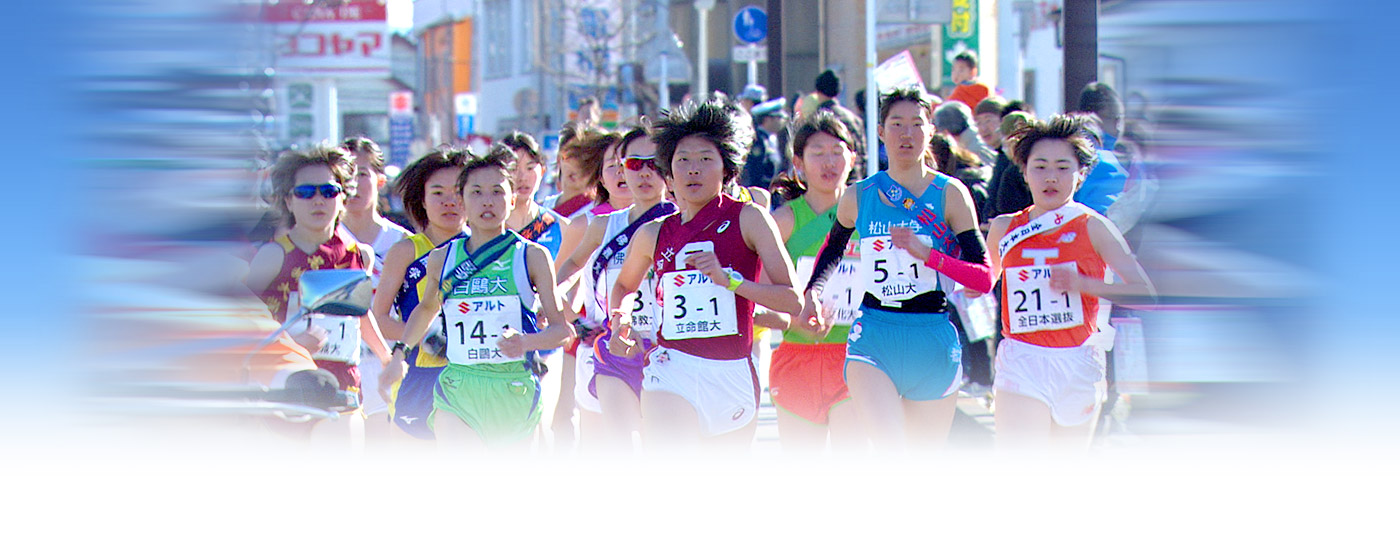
x: 751, y: 24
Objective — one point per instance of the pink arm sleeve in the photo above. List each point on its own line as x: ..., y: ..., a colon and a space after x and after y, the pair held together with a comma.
x: 976, y: 276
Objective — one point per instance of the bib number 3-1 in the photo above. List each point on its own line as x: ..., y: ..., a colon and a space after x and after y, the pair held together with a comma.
x: 475, y: 325
x: 694, y: 307
x: 1033, y: 306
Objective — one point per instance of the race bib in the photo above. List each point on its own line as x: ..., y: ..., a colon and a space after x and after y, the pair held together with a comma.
x: 842, y: 291
x: 695, y: 307
x: 644, y: 309
x: 342, y: 334
x: 892, y: 274
x: 978, y: 315
x: 1032, y: 306
x: 474, y: 326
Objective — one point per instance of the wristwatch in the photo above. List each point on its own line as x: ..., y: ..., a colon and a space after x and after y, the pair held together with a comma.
x: 399, y: 346
x: 735, y: 279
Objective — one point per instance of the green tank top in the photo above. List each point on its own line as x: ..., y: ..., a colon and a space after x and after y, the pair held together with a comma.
x: 808, y: 235
x: 476, y: 306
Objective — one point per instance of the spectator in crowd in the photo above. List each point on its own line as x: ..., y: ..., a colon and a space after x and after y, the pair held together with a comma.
x: 970, y: 91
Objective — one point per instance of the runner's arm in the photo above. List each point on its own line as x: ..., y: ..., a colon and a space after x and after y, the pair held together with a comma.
x: 847, y: 209
x: 995, y: 232
x: 369, y: 328
x: 391, y: 277
x: 573, y: 230
x: 542, y: 277
x: 577, y: 260
x: 761, y: 235
x: 422, y: 317
x: 1109, y: 243
x: 640, y: 257
x: 266, y: 263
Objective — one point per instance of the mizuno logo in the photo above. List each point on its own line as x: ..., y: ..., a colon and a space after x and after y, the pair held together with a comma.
x: 408, y: 419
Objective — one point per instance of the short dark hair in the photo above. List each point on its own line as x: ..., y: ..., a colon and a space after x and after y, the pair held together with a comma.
x: 411, y: 184
x: 587, y: 149
x: 357, y: 145
x: 283, y: 175
x: 1071, y: 128
x: 1015, y: 105
x: 499, y: 156
x: 637, y: 132
x: 912, y: 94
x: 953, y: 117
x: 990, y: 105
x: 820, y: 121
x: 828, y: 84
x: 967, y: 57
x: 1096, y: 97
x: 718, y: 123
x: 517, y: 140
x: 948, y: 154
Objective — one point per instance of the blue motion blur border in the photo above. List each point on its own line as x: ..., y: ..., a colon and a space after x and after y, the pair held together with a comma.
x: 44, y: 194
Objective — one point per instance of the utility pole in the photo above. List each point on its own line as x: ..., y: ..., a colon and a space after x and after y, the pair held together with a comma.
x: 1081, y: 40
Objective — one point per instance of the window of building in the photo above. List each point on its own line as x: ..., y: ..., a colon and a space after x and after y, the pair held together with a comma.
x: 497, y: 41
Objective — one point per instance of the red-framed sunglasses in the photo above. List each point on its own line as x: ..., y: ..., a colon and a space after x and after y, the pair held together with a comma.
x: 636, y: 163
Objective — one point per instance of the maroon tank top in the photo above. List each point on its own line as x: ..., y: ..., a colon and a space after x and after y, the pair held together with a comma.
x: 718, y: 223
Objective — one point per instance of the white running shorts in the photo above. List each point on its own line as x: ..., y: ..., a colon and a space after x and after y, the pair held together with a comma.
x: 1068, y: 380
x: 723, y: 392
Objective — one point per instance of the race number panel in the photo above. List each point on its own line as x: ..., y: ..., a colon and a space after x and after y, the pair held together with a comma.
x: 842, y: 291
x: 644, y: 309
x: 643, y: 306
x: 342, y: 334
x: 474, y: 326
x: 695, y: 307
x: 891, y: 274
x: 1033, y: 306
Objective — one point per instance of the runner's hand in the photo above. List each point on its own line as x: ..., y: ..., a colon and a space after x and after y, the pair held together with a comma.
x: 1062, y: 280
x: 393, y: 373
x: 904, y: 238
x: 621, y: 342
x: 511, y: 343
x: 708, y: 264
x: 312, y: 339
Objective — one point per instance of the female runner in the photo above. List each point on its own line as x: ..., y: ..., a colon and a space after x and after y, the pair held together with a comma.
x: 902, y: 354
x: 433, y: 202
x: 699, y: 381
x: 1050, y: 380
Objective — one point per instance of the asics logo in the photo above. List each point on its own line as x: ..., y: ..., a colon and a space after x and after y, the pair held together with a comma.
x: 722, y: 227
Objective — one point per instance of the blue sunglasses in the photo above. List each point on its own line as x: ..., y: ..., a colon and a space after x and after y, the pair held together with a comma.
x: 328, y: 190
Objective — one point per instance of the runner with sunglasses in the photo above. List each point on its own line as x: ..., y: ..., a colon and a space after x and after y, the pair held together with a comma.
x: 1050, y: 378
x: 699, y: 382
x: 918, y: 234
x: 806, y: 381
x: 615, y: 383
x: 428, y: 188
x: 488, y: 286
x: 309, y: 192
x: 363, y: 220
